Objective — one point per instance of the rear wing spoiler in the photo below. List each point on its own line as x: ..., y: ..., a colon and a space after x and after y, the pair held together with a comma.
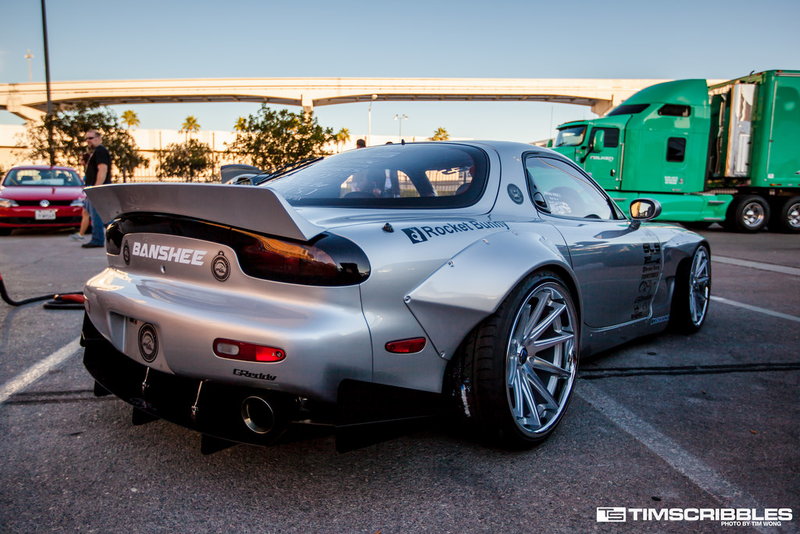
x: 252, y: 208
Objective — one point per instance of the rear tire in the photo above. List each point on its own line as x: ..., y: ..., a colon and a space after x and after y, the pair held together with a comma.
x: 747, y: 213
x: 787, y: 216
x: 518, y: 367
x: 692, y: 293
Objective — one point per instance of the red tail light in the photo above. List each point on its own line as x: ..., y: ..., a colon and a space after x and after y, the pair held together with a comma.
x: 327, y: 261
x: 406, y: 346
x: 247, y: 352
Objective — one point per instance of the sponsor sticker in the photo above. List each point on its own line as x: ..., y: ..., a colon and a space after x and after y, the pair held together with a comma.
x: 153, y: 251
x: 420, y: 234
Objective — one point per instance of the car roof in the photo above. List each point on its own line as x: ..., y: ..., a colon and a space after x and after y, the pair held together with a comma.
x: 41, y: 167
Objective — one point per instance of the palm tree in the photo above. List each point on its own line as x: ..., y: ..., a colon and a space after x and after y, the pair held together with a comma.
x: 341, y: 137
x: 240, y: 125
x: 440, y: 134
x: 190, y: 125
x: 130, y: 119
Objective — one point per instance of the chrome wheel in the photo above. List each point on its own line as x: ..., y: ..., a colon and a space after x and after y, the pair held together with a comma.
x: 541, y: 359
x: 699, y: 286
x: 753, y: 215
x: 792, y: 215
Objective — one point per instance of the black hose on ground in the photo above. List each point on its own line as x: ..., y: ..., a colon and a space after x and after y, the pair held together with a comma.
x: 62, y: 301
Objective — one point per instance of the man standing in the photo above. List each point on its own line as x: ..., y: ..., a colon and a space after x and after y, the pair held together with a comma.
x: 98, y: 172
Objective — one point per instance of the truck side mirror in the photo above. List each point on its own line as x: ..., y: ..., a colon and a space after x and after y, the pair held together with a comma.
x: 598, y: 141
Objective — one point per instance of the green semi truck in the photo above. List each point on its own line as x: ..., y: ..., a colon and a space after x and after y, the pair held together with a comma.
x: 727, y: 153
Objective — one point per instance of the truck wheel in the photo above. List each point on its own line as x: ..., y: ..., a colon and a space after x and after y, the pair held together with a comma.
x: 787, y: 218
x: 692, y: 293
x: 519, y: 365
x: 747, y: 213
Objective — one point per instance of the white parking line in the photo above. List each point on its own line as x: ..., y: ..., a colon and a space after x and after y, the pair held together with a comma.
x: 687, y: 464
x: 36, y: 371
x: 756, y: 265
x: 756, y: 309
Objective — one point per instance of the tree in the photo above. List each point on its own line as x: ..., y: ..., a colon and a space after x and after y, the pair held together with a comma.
x: 190, y: 125
x: 269, y: 138
x: 240, y: 125
x: 130, y: 119
x: 440, y: 134
x: 188, y: 160
x: 341, y: 137
x: 69, y: 127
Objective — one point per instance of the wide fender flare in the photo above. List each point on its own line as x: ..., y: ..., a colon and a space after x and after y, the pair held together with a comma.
x: 473, y: 283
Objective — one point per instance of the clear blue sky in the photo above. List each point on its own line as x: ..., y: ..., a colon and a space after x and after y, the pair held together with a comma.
x: 148, y: 39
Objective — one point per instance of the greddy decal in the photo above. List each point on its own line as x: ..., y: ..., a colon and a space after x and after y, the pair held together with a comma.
x: 420, y: 234
x: 259, y: 376
x: 187, y: 256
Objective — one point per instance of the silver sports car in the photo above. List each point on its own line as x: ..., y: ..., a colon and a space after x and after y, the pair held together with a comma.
x: 379, y: 286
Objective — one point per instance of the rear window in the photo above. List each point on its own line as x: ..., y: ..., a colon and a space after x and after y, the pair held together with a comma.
x: 42, y: 177
x: 393, y: 176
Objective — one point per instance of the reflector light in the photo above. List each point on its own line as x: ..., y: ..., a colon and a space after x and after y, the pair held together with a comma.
x: 247, y: 352
x: 406, y: 346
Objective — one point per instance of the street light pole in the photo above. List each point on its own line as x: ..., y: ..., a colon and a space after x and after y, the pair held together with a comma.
x: 28, y: 57
x: 369, y: 118
x: 49, y: 116
x: 399, y: 118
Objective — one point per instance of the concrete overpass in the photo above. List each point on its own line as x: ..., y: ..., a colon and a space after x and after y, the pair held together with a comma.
x: 29, y: 100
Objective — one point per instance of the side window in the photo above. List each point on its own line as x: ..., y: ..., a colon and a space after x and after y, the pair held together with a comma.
x: 610, y: 136
x: 674, y: 110
x: 559, y: 189
x: 676, y: 149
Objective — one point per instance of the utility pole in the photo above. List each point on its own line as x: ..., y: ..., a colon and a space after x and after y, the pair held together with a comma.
x: 49, y: 117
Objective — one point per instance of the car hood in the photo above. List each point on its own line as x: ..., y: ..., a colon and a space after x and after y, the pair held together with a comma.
x: 38, y: 192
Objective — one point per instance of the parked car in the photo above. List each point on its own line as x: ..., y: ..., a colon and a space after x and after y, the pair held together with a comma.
x: 380, y: 284
x: 38, y: 196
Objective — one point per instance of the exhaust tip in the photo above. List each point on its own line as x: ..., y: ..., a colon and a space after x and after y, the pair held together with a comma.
x: 258, y: 415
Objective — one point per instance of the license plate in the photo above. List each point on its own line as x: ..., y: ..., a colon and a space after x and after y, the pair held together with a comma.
x: 45, y: 215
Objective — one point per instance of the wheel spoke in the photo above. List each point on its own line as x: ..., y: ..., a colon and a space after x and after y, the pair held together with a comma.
x: 534, y: 316
x: 548, y: 367
x: 534, y: 380
x: 530, y: 400
x: 516, y: 389
x: 546, y: 323
x: 543, y: 344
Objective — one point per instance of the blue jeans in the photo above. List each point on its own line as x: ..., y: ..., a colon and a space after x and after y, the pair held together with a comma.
x: 98, y: 228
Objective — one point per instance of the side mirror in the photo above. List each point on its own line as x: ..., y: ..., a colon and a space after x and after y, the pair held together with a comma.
x: 645, y: 209
x: 598, y: 141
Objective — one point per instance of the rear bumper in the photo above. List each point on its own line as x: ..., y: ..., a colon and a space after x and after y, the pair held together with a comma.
x: 25, y: 217
x: 365, y: 413
x: 321, y: 330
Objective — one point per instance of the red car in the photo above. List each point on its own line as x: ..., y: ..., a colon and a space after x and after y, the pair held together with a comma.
x: 40, y: 196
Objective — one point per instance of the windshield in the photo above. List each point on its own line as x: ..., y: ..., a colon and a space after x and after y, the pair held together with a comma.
x: 42, y: 177
x: 393, y: 176
x: 571, y: 136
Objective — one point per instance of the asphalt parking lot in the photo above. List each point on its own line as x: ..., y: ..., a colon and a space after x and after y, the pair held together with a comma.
x: 668, y: 422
